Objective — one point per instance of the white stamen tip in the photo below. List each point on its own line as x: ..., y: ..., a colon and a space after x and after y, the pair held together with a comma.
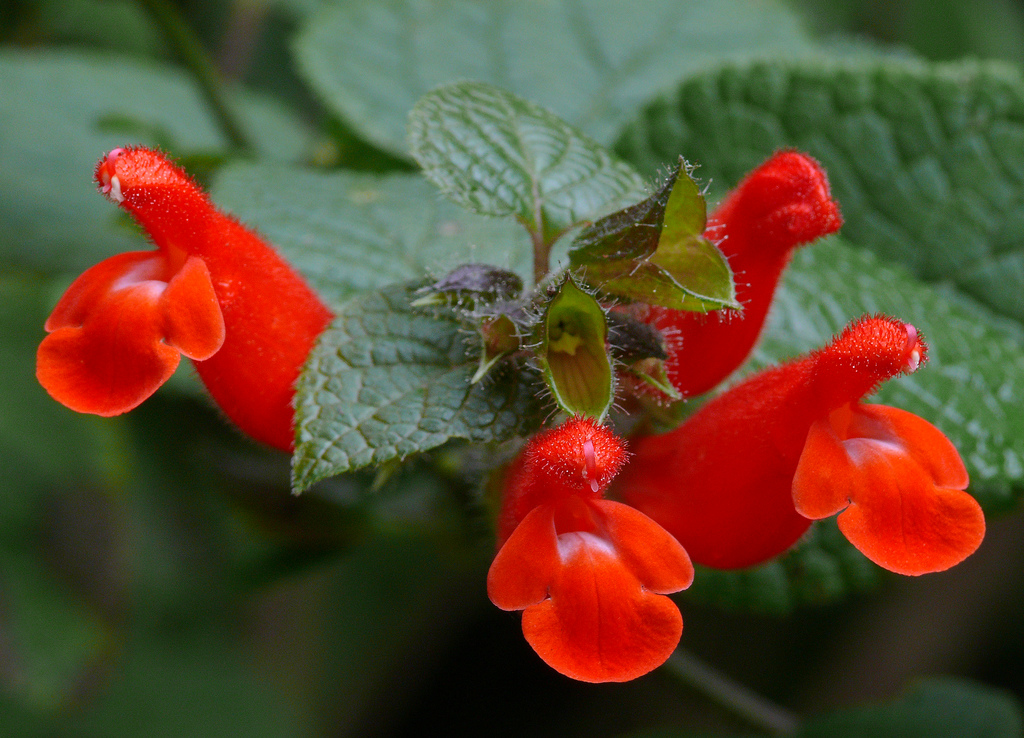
x: 914, y: 361
x: 115, y: 189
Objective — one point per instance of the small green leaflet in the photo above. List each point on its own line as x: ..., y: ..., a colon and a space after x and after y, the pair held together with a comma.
x: 497, y: 154
x: 386, y: 381
x: 655, y: 251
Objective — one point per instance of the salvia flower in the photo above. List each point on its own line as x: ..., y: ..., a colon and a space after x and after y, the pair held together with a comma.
x: 590, y: 574
x: 741, y: 480
x: 784, y: 203
x: 212, y: 290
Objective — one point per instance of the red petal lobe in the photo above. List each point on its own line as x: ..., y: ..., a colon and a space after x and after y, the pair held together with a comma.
x: 527, y: 564
x: 907, y: 524
x: 112, y: 362
x: 919, y: 438
x: 825, y: 475
x: 599, y: 624
x: 646, y: 549
x: 193, y: 321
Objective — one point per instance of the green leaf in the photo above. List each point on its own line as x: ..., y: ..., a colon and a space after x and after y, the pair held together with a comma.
x: 351, y: 232
x: 594, y: 63
x: 61, y: 111
x: 497, y: 154
x: 927, y: 162
x: 950, y: 708
x: 655, y: 251
x: 574, y: 353
x: 386, y: 381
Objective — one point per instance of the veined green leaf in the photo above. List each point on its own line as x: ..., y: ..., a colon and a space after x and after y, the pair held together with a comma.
x: 926, y: 161
x: 593, y: 62
x: 497, y: 154
x: 349, y: 232
x: 386, y: 381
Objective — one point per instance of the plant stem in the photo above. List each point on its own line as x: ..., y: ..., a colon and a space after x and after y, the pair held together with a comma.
x: 198, y: 61
x: 541, y: 256
x: 738, y: 699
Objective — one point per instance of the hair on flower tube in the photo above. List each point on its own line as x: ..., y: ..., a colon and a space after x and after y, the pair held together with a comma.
x: 213, y: 291
x: 740, y: 481
x: 590, y: 574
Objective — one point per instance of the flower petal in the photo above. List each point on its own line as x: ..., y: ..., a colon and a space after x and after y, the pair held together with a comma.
x: 527, y: 564
x: 902, y: 511
x: 922, y: 440
x: 645, y: 548
x: 106, y: 354
x: 92, y: 285
x: 600, y: 624
x: 194, y: 323
x: 907, y: 524
x: 825, y: 475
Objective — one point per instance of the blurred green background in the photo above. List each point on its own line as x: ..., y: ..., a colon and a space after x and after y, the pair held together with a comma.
x: 157, y: 578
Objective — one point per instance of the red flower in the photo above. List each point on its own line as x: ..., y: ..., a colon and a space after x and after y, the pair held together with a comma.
x: 213, y: 291
x: 783, y: 204
x: 590, y: 574
x: 737, y: 483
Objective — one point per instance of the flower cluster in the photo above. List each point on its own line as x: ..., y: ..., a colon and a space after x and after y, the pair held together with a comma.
x: 744, y: 477
x: 735, y: 485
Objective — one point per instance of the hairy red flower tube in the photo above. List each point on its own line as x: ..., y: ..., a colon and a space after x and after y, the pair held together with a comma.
x: 212, y: 290
x: 785, y: 203
x: 740, y: 481
x: 590, y: 574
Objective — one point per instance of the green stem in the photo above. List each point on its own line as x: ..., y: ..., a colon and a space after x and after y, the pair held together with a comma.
x: 198, y: 61
x: 741, y: 701
x: 541, y: 255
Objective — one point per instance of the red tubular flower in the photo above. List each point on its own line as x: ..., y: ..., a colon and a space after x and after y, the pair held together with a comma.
x: 737, y: 483
x: 783, y: 204
x: 589, y: 573
x: 213, y: 291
